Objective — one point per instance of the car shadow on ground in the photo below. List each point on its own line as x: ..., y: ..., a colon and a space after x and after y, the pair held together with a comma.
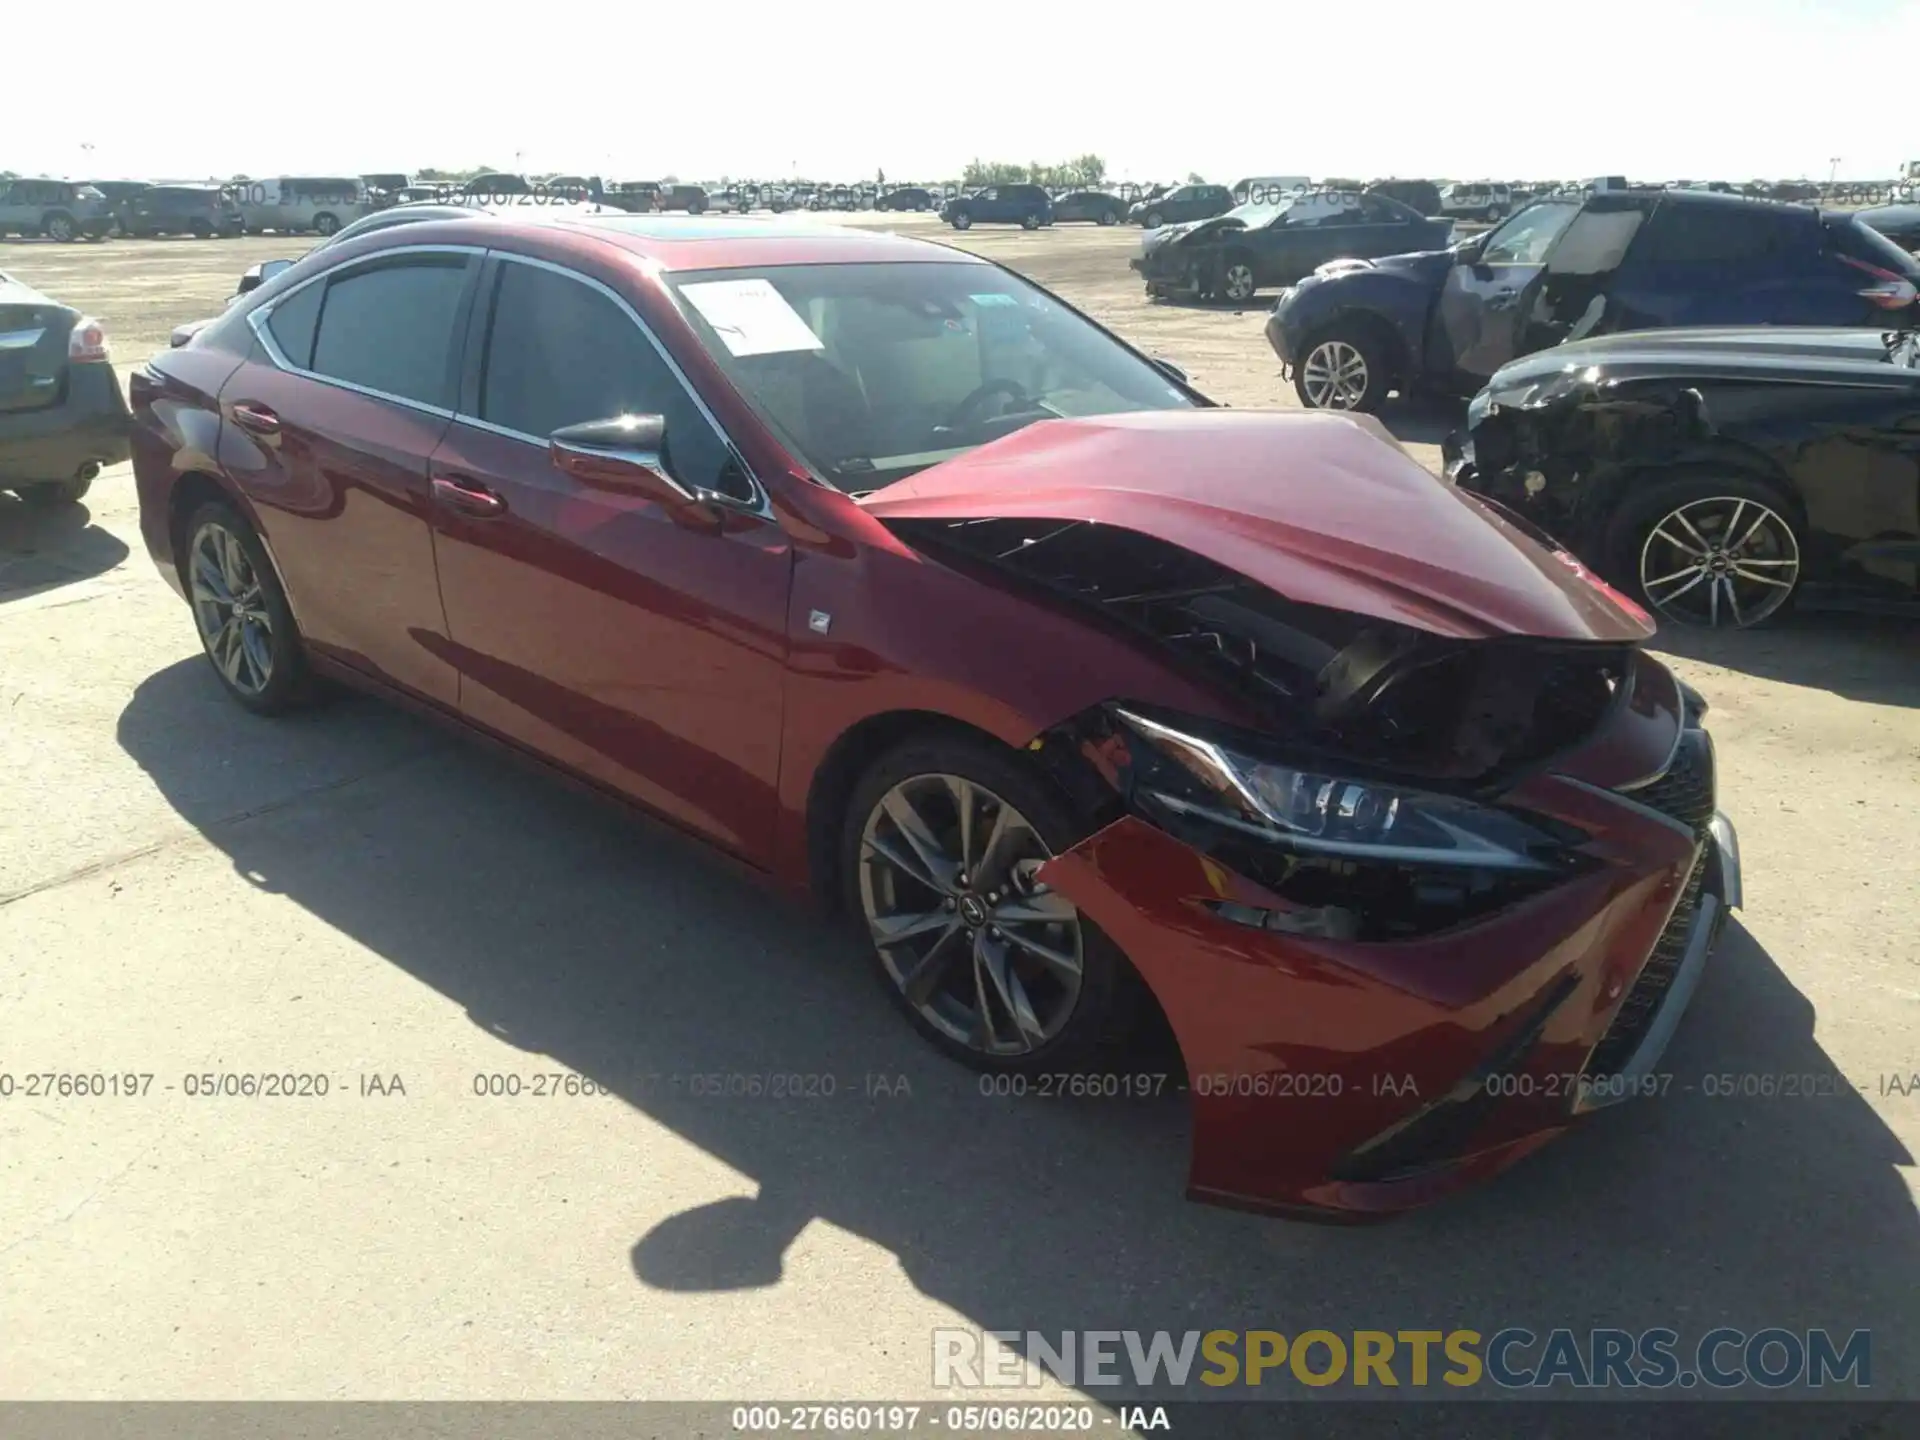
x: 573, y: 931
x: 1422, y: 419
x: 1873, y: 658
x: 40, y: 549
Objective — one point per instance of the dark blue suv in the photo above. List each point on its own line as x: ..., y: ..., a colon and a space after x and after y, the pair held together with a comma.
x: 1573, y: 266
x: 1027, y: 206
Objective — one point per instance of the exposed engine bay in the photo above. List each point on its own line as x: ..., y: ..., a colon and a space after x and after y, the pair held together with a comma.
x: 1320, y: 683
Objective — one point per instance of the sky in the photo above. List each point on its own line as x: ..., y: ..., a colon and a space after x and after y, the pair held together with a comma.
x: 839, y: 90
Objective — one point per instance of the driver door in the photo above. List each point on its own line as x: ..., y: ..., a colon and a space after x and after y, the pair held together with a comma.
x: 1481, y: 316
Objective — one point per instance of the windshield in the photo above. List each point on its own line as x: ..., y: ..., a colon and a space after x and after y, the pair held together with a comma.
x: 1254, y: 216
x: 870, y: 373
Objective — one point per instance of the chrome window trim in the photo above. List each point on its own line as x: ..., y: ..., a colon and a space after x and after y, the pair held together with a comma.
x: 257, y: 322
x: 758, y: 503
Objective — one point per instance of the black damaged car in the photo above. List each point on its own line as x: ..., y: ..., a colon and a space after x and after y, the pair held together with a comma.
x: 1569, y: 267
x: 1254, y: 246
x: 1716, y: 475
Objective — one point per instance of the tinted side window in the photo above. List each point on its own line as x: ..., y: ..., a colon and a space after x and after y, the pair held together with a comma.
x: 560, y: 352
x: 392, y: 328
x: 293, y: 321
x: 1714, y: 235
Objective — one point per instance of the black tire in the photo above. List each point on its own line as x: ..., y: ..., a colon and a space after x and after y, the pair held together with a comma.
x: 59, y: 226
x: 1105, y: 1012
x: 696, y: 207
x: 1153, y: 220
x: 1030, y: 220
x: 55, y: 494
x: 1373, y: 352
x: 962, y: 220
x: 290, y: 684
x: 1109, y: 217
x: 1628, y: 533
x: 202, y: 229
x: 325, y: 223
x: 1236, y: 271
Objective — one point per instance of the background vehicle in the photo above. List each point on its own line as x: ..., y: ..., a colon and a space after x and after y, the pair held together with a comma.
x: 482, y: 187
x: 1179, y: 205
x: 502, y: 469
x: 1719, y: 475
x: 1234, y: 255
x: 1899, y: 223
x: 907, y: 197
x: 1478, y: 201
x: 691, y: 198
x: 199, y: 210
x: 1420, y: 196
x: 387, y: 181
x: 62, y: 416
x: 1099, y: 206
x: 296, y: 204
x: 580, y: 189
x: 634, y: 196
x: 118, y: 191
x: 58, y: 209
x: 1563, y: 269
x: 1266, y: 189
x: 1027, y: 206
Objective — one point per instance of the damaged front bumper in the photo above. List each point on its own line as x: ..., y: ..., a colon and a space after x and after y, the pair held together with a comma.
x: 1169, y: 275
x: 1345, y: 1079
x: 1456, y: 458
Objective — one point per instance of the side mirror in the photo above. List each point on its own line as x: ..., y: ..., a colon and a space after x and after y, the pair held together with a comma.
x: 1169, y: 369
x: 625, y: 454
x: 258, y: 275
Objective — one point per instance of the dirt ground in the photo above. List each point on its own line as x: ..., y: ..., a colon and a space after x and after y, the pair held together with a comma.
x: 185, y: 890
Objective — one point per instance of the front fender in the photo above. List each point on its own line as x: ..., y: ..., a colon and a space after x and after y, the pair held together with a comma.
x: 1397, y: 299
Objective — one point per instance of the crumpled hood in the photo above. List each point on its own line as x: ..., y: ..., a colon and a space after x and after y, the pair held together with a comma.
x: 1755, y: 352
x: 1323, y: 509
x: 1186, y: 230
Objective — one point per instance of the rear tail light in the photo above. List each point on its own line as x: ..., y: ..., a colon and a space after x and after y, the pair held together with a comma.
x: 1889, y: 291
x: 88, y: 342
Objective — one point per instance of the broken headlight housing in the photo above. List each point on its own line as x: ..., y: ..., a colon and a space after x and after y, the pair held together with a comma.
x: 1351, y: 857
x: 1322, y: 814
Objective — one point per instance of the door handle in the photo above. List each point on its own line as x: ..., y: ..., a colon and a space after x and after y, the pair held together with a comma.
x: 468, y: 496
x: 255, y: 418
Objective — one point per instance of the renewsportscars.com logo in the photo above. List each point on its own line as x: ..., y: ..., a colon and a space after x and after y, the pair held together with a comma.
x: 1512, y: 1358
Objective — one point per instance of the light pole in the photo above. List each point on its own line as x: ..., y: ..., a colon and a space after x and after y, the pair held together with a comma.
x: 1833, y: 167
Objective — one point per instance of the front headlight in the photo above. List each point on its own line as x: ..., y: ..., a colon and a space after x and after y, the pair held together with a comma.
x: 1317, y: 813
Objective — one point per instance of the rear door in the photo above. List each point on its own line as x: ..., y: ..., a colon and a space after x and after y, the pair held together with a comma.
x: 1711, y: 262
x: 14, y: 213
x: 1479, y: 318
x: 327, y: 428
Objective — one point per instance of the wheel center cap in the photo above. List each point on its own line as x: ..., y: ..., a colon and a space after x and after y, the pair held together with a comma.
x: 973, y: 910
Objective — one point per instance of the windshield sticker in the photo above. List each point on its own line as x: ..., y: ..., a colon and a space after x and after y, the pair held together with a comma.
x: 751, y: 317
x: 994, y: 299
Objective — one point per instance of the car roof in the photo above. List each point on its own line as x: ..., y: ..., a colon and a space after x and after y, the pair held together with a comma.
x: 708, y: 242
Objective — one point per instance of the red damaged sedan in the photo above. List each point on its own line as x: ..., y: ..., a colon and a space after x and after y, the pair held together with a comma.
x: 895, y: 577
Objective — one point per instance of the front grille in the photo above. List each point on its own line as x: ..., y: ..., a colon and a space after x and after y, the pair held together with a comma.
x: 1636, y: 1012
x: 1686, y: 791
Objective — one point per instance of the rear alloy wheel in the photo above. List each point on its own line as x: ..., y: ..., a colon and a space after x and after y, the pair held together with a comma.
x: 943, y: 842
x: 1030, y: 220
x: 242, y: 614
x: 1341, y: 371
x: 1154, y: 220
x: 59, y: 226
x: 962, y: 221
x: 1109, y: 217
x: 1723, y: 555
x: 1236, y: 281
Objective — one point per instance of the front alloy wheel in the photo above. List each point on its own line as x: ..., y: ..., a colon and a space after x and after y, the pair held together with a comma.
x: 980, y: 951
x: 1724, y: 560
x: 229, y: 607
x: 1237, y: 282
x: 1335, y: 376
